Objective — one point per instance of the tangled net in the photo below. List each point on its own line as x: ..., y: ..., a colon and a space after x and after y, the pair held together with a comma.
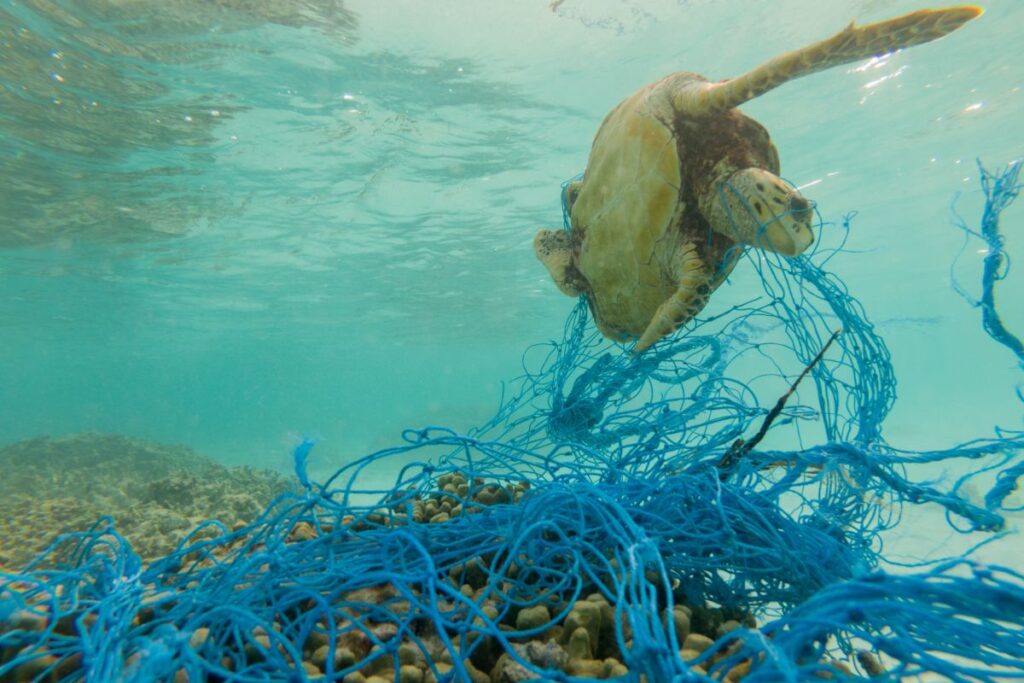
x: 610, y: 522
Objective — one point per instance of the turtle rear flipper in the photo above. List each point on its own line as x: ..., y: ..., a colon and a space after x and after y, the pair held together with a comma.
x: 554, y: 250
x: 689, y: 299
x: 849, y: 45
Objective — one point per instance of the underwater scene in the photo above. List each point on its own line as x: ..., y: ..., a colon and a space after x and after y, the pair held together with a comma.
x: 466, y: 340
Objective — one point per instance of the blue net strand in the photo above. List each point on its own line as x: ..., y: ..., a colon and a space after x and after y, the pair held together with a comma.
x: 1006, y: 484
x: 1000, y: 189
x: 602, y: 483
x: 960, y: 620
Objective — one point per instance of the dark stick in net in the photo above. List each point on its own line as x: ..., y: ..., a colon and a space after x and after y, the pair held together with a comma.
x: 740, y: 447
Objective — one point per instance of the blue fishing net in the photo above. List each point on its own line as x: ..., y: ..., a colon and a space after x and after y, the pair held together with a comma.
x: 617, y: 518
x: 1000, y: 190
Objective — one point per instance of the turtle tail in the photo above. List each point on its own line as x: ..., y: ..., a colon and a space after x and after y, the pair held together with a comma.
x: 849, y: 45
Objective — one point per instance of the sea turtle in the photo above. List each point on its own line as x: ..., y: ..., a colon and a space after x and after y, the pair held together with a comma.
x: 679, y: 182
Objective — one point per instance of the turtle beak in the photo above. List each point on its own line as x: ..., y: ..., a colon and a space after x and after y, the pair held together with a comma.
x: 788, y: 240
x: 799, y: 208
x: 803, y: 237
x: 801, y: 211
x: 790, y: 233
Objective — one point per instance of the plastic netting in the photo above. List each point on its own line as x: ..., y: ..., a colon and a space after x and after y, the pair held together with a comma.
x: 1000, y: 190
x: 599, y: 526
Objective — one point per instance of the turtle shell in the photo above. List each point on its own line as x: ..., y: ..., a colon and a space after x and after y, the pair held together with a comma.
x: 639, y: 202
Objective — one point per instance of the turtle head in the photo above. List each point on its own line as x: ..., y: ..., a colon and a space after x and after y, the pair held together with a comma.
x: 756, y: 207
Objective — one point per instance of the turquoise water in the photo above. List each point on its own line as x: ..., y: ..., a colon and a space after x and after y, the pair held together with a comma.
x: 226, y: 226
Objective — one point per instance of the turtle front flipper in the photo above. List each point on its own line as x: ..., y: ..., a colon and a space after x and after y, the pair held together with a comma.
x: 695, y: 284
x: 849, y: 45
x: 554, y: 250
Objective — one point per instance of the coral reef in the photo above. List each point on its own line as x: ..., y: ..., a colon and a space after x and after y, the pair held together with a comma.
x: 382, y: 632
x: 154, y: 493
